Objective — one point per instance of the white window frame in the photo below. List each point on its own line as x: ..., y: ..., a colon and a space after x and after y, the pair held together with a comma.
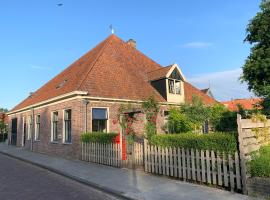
x: 64, y: 130
x: 108, y: 120
x: 29, y: 127
x: 36, y: 139
x: 23, y: 131
x: 174, y: 86
x: 52, y: 113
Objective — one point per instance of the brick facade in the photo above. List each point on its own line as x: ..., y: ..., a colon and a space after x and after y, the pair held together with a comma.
x: 78, y: 109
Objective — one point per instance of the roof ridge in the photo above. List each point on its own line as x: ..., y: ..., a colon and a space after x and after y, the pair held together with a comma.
x: 95, y: 61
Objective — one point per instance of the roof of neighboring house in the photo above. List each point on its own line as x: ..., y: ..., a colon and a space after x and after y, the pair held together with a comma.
x: 208, y: 92
x: 205, y: 90
x: 112, y: 69
x: 191, y: 91
x: 247, y: 104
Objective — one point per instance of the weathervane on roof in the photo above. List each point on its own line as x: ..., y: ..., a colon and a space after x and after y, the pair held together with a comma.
x: 111, y: 28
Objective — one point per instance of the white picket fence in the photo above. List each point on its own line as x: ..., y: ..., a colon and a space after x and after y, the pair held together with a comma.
x: 106, y: 154
x: 195, y: 165
x: 213, y: 168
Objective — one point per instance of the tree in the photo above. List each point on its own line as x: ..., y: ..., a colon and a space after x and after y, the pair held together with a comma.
x: 256, y: 70
x: 197, y: 112
x: 178, y: 122
x: 4, y: 110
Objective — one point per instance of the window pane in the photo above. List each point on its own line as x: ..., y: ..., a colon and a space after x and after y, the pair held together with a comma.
x: 175, y: 75
x: 177, y: 87
x: 99, y: 126
x: 67, y: 114
x: 99, y: 113
x: 67, y: 126
x: 171, y: 86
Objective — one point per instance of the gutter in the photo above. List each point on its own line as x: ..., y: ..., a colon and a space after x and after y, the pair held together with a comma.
x: 58, y: 98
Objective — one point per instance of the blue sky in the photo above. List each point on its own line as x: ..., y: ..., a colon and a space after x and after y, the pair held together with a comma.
x: 38, y: 39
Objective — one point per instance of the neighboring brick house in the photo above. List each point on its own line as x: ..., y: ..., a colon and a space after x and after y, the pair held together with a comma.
x: 247, y: 104
x: 86, y: 97
x: 208, y: 92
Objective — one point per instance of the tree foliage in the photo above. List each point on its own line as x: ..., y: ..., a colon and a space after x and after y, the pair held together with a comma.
x: 196, y: 112
x: 256, y: 70
x: 150, y: 108
x: 4, y: 110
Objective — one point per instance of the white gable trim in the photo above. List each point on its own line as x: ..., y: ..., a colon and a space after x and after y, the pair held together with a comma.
x: 179, y: 70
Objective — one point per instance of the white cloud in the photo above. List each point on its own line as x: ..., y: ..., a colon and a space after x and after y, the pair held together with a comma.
x: 225, y: 85
x: 197, y: 45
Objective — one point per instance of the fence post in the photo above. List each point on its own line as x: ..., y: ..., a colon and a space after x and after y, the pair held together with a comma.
x: 242, y: 155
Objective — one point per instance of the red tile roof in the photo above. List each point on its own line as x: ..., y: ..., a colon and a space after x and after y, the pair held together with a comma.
x: 159, y: 73
x: 112, y: 69
x: 191, y: 91
x: 247, y: 104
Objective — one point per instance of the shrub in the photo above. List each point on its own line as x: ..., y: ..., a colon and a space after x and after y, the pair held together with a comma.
x: 223, y: 142
x: 98, y: 137
x: 178, y: 122
x: 259, y: 166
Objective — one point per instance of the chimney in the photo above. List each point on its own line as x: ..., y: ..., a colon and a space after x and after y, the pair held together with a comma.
x: 132, y: 43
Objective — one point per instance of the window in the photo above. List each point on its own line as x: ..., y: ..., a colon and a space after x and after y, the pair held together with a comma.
x: 174, y: 86
x: 177, y: 87
x: 55, y: 126
x: 30, y: 127
x: 171, y: 86
x: 67, y: 126
x: 37, y: 128
x: 99, y: 119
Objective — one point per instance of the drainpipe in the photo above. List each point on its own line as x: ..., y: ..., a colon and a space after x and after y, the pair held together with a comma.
x: 85, y: 102
x: 32, y: 131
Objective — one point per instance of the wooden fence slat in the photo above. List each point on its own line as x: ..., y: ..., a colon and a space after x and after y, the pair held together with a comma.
x: 193, y: 165
x: 145, y: 156
x: 208, y: 167
x: 171, y: 161
x: 188, y: 164
x: 214, y: 168
x: 167, y: 162
x: 149, y: 158
x: 175, y: 161
x: 231, y: 170
x: 156, y: 160
x: 220, y: 182
x: 184, y: 163
x: 203, y: 166
x: 237, y: 171
x: 159, y: 160
x: 179, y: 162
x: 152, y: 159
x: 198, y: 164
x: 225, y: 170
x: 163, y: 161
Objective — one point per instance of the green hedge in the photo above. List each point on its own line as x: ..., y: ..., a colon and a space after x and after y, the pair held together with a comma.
x: 213, y: 141
x: 98, y: 137
x: 259, y: 166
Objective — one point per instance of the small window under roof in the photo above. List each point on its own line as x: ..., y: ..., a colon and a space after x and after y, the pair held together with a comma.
x: 175, y: 75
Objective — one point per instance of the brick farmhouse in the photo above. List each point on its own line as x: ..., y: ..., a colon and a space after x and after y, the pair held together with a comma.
x: 86, y: 96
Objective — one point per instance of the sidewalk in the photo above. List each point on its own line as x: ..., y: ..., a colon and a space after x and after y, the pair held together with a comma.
x: 126, y: 183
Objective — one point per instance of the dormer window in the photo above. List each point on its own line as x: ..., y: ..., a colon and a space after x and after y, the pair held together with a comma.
x: 174, y: 86
x: 174, y: 82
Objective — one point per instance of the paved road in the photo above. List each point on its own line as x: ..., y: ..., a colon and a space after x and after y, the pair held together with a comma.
x: 23, y: 181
